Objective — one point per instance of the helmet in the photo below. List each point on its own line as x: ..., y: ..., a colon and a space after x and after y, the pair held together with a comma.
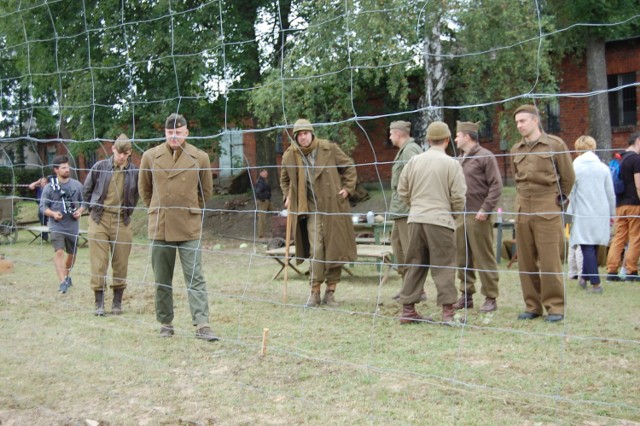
x: 302, y: 124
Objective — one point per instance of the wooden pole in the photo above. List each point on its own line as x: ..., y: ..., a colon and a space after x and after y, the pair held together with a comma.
x: 265, y: 335
x: 286, y: 252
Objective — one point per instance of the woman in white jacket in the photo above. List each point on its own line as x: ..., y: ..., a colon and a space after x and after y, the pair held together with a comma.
x: 593, y: 205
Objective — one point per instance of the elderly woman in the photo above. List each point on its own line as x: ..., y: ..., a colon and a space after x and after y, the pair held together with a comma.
x: 592, y: 204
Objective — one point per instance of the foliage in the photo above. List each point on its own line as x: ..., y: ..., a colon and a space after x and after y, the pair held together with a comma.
x: 338, y: 62
x: 500, y: 61
x: 13, y: 178
x: 590, y: 19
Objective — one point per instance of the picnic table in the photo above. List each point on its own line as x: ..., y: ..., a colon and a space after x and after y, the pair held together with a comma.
x: 37, y: 231
x: 381, y: 255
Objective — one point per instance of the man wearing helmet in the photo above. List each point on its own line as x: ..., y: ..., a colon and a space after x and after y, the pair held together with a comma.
x: 316, y: 179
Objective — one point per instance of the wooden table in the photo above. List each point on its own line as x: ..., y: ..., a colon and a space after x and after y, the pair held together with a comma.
x: 381, y: 254
x: 37, y: 231
x: 378, y: 229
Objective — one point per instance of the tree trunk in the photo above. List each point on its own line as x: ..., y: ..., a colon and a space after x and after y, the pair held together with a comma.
x: 435, y: 80
x: 599, y: 118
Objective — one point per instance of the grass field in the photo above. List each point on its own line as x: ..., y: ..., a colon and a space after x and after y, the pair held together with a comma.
x: 351, y: 365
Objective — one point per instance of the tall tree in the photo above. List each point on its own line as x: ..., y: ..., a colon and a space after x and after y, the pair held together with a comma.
x: 596, y: 21
x: 500, y: 57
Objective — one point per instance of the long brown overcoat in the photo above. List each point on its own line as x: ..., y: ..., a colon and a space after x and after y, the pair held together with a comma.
x: 333, y: 171
x: 175, y: 192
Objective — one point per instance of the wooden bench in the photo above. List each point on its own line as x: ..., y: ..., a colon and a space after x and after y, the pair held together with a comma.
x: 37, y: 231
x: 381, y: 255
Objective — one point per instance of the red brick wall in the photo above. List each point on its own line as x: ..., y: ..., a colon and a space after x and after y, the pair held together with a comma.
x: 622, y: 57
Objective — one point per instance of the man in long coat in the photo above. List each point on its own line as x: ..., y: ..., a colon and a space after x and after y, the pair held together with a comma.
x: 316, y: 180
x: 175, y: 181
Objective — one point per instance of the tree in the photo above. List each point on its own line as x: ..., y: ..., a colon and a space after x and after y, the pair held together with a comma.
x: 502, y: 60
x: 596, y: 22
x: 341, y: 55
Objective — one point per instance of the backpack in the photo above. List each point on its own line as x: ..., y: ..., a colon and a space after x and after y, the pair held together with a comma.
x: 615, y: 167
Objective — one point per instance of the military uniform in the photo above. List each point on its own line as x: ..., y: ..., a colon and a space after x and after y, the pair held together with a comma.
x: 398, y: 210
x: 175, y: 188
x: 544, y: 176
x: 323, y: 230
x: 475, y: 238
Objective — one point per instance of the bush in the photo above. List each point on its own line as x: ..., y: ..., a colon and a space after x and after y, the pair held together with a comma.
x: 14, y: 180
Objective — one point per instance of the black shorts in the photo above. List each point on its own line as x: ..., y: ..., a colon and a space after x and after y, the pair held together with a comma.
x: 68, y: 242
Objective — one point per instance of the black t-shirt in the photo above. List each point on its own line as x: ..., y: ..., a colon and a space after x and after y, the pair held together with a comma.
x: 630, y: 166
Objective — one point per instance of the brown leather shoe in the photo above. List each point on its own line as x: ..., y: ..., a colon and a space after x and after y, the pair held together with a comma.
x: 464, y: 302
x: 490, y: 305
x: 116, y: 306
x: 205, y: 333
x: 410, y: 316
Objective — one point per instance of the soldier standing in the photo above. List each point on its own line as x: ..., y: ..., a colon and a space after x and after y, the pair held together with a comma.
x: 543, y: 172
x: 475, y: 227
x: 316, y: 179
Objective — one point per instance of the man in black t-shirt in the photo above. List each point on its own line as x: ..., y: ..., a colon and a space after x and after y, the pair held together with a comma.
x: 627, y: 216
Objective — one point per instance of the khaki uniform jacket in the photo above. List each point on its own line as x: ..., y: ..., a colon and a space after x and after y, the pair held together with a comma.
x: 175, y: 192
x: 482, y: 176
x: 432, y: 185
x: 541, y: 173
x: 333, y: 171
x: 398, y: 208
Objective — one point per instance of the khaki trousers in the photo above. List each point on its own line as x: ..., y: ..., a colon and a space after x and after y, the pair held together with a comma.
x: 319, y: 271
x: 163, y: 261
x: 475, y: 251
x: 627, y: 229
x: 430, y: 246
x: 264, y: 207
x: 400, y: 242
x: 539, y: 240
x: 109, y: 243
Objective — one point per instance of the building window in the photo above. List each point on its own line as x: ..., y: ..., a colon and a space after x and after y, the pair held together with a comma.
x: 622, y: 102
x: 553, y: 116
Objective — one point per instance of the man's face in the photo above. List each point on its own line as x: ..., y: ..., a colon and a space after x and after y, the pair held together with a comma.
x: 63, y: 171
x: 526, y: 123
x: 176, y: 137
x: 264, y: 174
x: 397, y: 137
x: 120, y: 158
x: 462, y: 141
x: 304, y: 138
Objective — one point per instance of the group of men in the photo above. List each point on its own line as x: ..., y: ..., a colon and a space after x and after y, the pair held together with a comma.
x: 174, y: 181
x: 441, y: 207
x: 451, y: 201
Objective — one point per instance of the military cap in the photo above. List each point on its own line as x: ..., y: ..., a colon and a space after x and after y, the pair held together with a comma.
x: 467, y: 127
x: 405, y: 126
x: 531, y: 109
x: 438, y: 131
x: 174, y: 121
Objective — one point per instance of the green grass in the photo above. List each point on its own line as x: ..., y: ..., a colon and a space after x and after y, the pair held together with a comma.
x: 351, y: 365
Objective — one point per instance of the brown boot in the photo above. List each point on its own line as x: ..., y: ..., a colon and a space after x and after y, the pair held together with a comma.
x: 116, y: 307
x: 448, y: 314
x: 314, y: 300
x: 410, y: 316
x: 465, y: 301
x: 329, y: 300
x: 99, y: 303
x: 490, y: 305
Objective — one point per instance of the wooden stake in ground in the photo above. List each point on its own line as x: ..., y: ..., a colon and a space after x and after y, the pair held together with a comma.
x: 265, y: 335
x: 286, y: 254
